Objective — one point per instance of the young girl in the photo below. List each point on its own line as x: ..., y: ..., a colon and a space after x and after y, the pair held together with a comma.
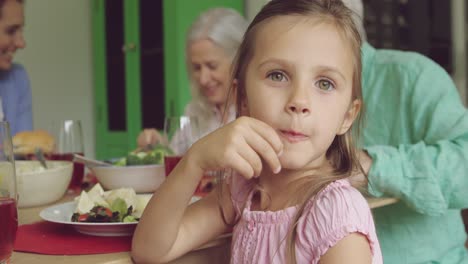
x: 298, y: 93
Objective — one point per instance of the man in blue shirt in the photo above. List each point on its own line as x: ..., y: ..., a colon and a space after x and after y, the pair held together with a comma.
x: 15, y: 94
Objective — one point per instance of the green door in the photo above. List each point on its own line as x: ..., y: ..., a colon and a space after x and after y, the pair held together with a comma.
x: 139, y: 65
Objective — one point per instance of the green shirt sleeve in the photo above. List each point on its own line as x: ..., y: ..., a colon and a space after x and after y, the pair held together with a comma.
x: 430, y: 171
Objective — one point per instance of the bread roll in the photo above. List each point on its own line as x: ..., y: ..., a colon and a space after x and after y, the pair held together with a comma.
x: 27, y: 141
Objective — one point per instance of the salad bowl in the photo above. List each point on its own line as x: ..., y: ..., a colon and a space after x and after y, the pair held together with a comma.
x: 38, y: 185
x: 141, y: 178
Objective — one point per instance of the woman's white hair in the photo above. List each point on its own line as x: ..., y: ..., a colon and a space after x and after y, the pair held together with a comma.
x: 226, y: 28
x: 358, y: 8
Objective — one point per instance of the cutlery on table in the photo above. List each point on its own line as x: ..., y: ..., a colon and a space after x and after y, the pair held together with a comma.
x: 40, y: 156
x: 90, y: 163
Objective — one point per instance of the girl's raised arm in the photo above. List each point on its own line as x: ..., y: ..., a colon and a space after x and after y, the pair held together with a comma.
x: 168, y: 228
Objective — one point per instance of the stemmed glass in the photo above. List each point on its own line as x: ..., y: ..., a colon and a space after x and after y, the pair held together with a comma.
x: 69, y: 141
x: 8, y: 195
x: 180, y: 132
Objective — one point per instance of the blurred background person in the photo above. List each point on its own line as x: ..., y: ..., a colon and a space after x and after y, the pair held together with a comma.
x: 15, y: 91
x: 415, y: 149
x: 211, y: 45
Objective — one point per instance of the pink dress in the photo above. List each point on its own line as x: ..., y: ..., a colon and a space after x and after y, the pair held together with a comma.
x: 259, y: 237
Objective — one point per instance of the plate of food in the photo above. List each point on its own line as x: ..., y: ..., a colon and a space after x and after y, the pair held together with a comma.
x: 99, y: 213
x: 62, y: 214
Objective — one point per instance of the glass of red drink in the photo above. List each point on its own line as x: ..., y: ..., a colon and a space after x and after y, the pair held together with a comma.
x: 8, y: 195
x: 170, y: 161
x: 180, y: 132
x: 69, y: 141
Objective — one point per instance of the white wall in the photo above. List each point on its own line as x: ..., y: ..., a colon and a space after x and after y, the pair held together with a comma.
x: 58, y: 58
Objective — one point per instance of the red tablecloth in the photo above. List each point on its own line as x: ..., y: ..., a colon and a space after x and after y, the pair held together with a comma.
x: 58, y: 239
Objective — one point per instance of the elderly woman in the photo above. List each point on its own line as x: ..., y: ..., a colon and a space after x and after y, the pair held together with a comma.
x: 15, y: 92
x: 212, y: 43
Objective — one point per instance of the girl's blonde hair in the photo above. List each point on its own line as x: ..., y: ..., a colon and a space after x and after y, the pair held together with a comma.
x: 225, y: 27
x: 342, y: 152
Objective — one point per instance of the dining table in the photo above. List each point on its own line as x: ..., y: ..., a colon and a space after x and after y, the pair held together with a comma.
x: 216, y: 251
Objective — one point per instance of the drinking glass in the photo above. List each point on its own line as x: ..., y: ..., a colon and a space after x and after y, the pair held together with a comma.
x: 180, y: 132
x: 8, y: 195
x: 69, y: 141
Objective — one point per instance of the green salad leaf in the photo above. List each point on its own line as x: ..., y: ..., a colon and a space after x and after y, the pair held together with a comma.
x: 153, y: 156
x: 129, y: 219
x: 120, y: 206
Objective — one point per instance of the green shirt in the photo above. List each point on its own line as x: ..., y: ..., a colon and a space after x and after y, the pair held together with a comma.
x: 416, y: 131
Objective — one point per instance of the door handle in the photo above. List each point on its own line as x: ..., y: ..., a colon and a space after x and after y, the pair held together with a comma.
x: 128, y: 47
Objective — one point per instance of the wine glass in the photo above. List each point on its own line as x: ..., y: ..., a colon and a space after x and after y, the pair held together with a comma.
x: 69, y: 141
x: 180, y: 132
x: 8, y: 195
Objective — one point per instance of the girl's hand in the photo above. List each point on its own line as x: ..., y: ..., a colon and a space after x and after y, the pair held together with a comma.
x: 240, y: 145
x: 149, y: 136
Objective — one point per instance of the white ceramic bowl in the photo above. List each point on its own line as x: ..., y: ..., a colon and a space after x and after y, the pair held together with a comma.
x: 38, y: 186
x: 143, y: 179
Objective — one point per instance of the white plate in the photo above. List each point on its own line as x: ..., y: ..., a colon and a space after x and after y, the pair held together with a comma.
x: 62, y: 213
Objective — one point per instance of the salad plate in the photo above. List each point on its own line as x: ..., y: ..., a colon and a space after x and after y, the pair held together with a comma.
x: 62, y: 213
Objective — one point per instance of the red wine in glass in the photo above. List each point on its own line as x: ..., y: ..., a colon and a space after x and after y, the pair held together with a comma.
x: 8, y: 194
x: 8, y: 226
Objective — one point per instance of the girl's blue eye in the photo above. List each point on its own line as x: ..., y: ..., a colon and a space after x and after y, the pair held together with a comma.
x: 325, y: 85
x: 277, y: 76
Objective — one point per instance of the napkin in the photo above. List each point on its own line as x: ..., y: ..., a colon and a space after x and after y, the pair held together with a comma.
x: 58, y: 239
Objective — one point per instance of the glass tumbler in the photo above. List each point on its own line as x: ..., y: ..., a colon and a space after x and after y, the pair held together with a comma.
x: 180, y: 132
x: 69, y: 141
x: 8, y: 195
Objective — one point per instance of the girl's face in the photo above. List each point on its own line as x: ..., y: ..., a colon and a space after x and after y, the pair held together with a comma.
x: 11, y: 32
x: 299, y: 81
x: 210, y: 69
